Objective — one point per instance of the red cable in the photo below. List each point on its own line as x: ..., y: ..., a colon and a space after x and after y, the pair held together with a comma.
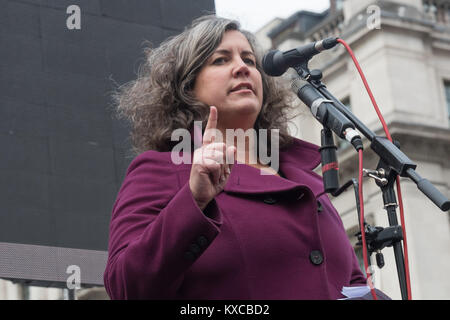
x: 399, y: 192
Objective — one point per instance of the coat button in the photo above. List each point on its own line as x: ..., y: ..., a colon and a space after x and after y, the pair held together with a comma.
x: 269, y: 200
x: 188, y: 255
x: 195, y: 249
x: 202, y: 241
x: 316, y: 257
x: 319, y: 206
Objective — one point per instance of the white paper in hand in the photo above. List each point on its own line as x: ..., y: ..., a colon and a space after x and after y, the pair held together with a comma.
x: 354, y: 292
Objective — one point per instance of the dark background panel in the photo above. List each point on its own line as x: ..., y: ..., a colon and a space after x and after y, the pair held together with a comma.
x: 76, y: 91
x: 88, y: 232
x: 24, y: 154
x: 53, y: 24
x: 87, y: 6
x: 141, y: 12
x: 21, y: 18
x: 63, y: 152
x: 70, y: 195
x: 24, y: 190
x: 24, y: 84
x: 61, y: 56
x: 27, y: 224
x: 74, y: 158
x: 88, y: 126
x: 23, y: 48
x: 185, y: 12
x: 23, y: 119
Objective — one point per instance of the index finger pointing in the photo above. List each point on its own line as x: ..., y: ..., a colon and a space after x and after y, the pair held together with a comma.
x: 211, y: 125
x: 212, y: 119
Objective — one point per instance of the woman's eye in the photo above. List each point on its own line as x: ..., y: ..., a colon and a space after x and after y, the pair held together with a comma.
x: 219, y: 61
x: 250, y: 61
x: 223, y: 60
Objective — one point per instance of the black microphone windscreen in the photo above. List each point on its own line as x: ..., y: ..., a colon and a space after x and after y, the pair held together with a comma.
x: 269, y: 67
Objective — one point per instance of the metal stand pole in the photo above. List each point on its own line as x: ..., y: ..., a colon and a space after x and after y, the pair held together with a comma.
x: 390, y: 204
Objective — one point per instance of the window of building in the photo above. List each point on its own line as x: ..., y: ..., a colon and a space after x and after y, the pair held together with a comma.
x: 447, y: 96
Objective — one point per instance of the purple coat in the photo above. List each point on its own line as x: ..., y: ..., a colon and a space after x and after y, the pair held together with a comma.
x: 263, y: 237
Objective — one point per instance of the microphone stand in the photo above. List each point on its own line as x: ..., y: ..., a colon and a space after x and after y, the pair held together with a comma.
x: 392, y: 163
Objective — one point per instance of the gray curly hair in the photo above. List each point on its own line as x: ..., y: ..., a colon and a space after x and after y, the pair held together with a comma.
x: 161, y: 99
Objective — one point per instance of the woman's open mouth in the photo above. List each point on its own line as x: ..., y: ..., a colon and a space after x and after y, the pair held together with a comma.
x: 243, y: 87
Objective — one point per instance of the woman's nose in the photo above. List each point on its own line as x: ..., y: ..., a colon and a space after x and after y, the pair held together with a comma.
x: 241, y: 69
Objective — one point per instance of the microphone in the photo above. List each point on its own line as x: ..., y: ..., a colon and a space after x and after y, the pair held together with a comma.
x: 324, y: 111
x: 275, y: 62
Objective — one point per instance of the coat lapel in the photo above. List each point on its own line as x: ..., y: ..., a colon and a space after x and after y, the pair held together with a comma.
x: 249, y: 180
x: 296, y: 164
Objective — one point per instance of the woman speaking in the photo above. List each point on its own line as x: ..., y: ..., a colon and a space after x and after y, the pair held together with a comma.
x: 215, y: 228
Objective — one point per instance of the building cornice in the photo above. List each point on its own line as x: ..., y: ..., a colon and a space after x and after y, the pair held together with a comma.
x: 356, y: 31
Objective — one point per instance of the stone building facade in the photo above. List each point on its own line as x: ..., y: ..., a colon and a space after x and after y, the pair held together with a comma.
x: 403, y: 47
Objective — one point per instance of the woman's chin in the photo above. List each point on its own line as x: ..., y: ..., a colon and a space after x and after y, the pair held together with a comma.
x: 245, y: 108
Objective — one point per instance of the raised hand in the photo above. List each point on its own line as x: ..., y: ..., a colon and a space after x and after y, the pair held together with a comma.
x: 210, y: 170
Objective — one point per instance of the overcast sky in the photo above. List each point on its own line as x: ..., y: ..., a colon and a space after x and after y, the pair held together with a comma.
x: 253, y: 14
